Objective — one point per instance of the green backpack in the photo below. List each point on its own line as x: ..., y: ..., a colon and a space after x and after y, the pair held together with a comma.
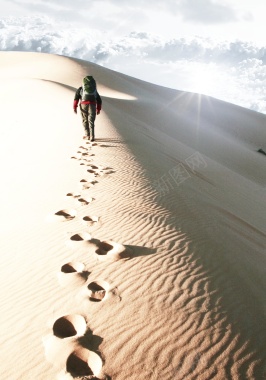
x: 89, y: 91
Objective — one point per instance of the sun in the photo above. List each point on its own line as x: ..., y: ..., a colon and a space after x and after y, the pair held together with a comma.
x: 204, y: 78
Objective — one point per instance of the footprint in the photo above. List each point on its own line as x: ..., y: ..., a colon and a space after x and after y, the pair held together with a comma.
x: 69, y: 326
x: 79, y: 240
x: 110, y: 250
x: 90, y: 220
x: 91, y: 143
x: 83, y: 236
x: 100, y: 170
x: 85, y: 162
x: 104, y: 247
x: 85, y: 200
x: 107, y: 170
x: 72, y: 274
x: 74, y: 195
x: 62, y: 216
x: 83, y: 362
x: 88, y: 185
x: 77, y: 157
x: 83, y: 180
x: 96, y: 172
x: 98, y: 290
x: 67, y: 214
x: 73, y: 267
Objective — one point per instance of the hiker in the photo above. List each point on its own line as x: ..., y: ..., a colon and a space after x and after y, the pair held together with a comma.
x: 90, y: 105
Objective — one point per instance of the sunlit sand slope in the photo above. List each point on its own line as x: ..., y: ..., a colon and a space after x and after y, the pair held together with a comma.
x: 138, y: 256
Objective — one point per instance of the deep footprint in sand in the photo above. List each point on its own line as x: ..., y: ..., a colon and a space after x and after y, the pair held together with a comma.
x: 83, y: 362
x: 90, y: 220
x: 110, y: 250
x: 62, y: 215
x: 69, y: 326
x: 83, y: 236
x: 82, y: 239
x: 98, y: 290
x: 73, y: 267
x: 73, y: 274
x: 85, y: 200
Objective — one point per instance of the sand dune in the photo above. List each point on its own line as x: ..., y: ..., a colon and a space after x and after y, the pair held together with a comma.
x: 142, y: 255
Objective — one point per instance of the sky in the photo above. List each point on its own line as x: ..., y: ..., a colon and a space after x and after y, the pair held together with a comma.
x: 212, y: 47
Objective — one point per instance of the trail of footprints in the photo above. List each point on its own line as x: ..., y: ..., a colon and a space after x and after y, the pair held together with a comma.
x: 81, y: 362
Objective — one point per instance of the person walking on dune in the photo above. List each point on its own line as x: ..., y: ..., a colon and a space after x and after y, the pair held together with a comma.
x: 90, y: 105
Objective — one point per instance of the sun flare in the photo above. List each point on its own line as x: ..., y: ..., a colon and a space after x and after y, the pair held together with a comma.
x: 204, y: 79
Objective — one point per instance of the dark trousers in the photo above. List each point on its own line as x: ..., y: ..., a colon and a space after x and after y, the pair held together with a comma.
x: 88, y: 114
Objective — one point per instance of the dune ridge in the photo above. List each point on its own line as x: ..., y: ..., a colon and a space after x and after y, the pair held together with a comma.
x: 173, y: 177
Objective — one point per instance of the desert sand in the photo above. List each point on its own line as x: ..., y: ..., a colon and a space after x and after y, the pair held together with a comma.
x: 141, y: 255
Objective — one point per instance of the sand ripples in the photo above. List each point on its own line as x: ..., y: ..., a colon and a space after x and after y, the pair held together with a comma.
x: 170, y: 308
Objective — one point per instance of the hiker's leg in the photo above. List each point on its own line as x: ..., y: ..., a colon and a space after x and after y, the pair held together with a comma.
x: 84, y: 115
x: 91, y: 118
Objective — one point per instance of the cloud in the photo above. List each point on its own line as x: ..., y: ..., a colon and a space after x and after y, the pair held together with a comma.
x: 200, y: 11
x: 79, y: 12
x: 233, y: 71
x: 44, y: 34
x: 99, y: 14
x: 207, y: 11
